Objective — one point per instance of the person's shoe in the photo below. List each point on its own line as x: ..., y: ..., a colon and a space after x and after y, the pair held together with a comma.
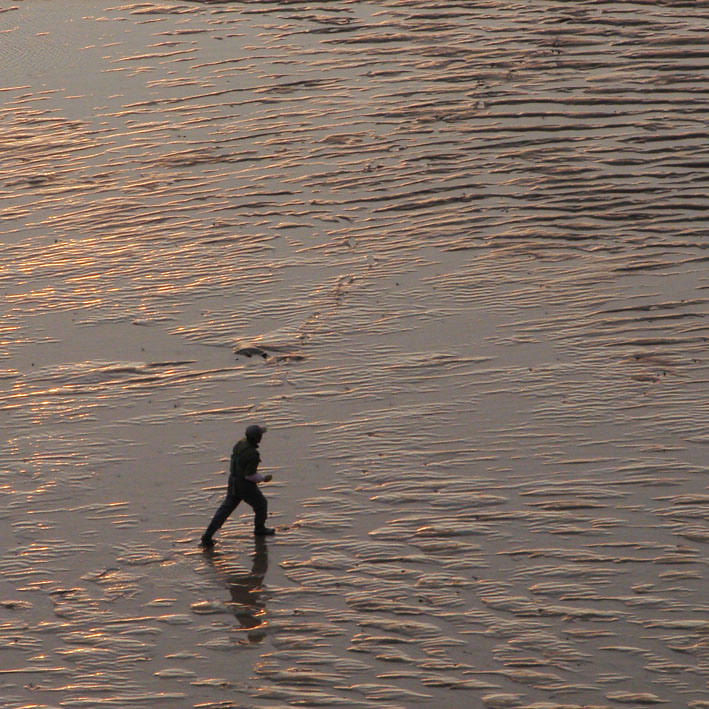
x: 264, y: 531
x: 206, y: 542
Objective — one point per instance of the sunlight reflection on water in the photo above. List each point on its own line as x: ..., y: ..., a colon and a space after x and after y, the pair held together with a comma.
x: 453, y: 255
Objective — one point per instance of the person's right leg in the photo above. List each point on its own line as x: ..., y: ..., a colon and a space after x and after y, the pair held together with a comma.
x: 249, y: 492
x: 231, y: 500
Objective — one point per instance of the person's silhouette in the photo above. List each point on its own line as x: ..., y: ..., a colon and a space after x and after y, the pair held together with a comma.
x: 243, y: 485
x: 245, y: 589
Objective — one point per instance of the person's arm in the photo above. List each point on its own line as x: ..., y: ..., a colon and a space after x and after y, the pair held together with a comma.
x: 255, y: 478
x: 251, y: 470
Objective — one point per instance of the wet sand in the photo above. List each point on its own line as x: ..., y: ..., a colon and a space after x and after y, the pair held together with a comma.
x: 469, y: 239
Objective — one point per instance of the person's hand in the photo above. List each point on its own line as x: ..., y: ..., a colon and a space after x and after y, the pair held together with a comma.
x: 267, y: 478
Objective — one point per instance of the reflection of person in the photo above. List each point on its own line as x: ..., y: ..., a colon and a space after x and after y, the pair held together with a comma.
x: 243, y: 485
x: 245, y: 589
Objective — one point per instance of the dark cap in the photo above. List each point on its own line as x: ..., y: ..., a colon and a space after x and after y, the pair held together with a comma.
x: 254, y: 431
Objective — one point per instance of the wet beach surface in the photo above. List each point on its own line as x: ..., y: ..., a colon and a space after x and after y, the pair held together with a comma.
x: 453, y: 255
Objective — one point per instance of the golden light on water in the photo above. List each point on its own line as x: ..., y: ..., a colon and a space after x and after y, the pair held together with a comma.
x: 451, y: 255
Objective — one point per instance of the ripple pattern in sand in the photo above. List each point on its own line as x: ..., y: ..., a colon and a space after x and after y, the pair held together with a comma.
x: 454, y: 254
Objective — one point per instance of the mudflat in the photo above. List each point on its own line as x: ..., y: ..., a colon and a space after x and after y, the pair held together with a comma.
x: 453, y: 255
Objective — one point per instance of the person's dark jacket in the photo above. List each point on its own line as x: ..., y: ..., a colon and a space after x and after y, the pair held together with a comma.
x: 245, y: 459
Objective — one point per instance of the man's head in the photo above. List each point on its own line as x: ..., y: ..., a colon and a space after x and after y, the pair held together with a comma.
x: 254, y: 433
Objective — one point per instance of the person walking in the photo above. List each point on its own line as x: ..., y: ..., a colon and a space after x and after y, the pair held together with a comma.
x: 243, y: 485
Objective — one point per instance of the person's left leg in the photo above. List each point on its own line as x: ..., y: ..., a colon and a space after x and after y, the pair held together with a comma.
x: 230, y: 503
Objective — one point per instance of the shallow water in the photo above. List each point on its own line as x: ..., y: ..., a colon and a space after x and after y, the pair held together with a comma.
x: 469, y: 239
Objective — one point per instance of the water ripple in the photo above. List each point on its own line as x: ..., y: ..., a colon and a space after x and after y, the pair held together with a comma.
x: 453, y: 254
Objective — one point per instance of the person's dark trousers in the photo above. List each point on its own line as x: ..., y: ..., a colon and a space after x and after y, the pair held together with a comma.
x: 239, y: 489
